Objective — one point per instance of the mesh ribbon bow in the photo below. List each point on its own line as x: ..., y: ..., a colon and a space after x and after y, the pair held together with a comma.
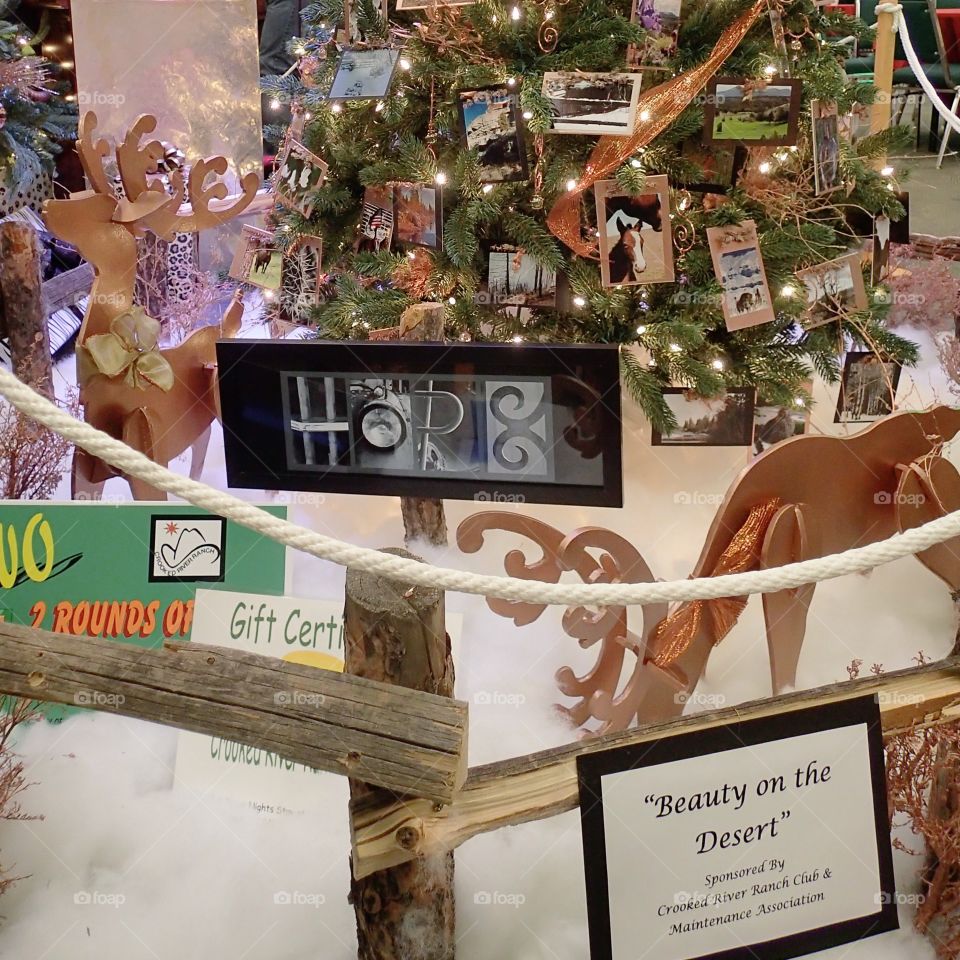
x: 130, y: 349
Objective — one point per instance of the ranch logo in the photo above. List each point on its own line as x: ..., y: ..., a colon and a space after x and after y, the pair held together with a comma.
x: 185, y: 547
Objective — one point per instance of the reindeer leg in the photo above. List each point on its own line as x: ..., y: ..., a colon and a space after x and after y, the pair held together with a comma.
x: 81, y: 469
x: 138, y: 434
x: 785, y: 612
x: 199, y: 453
x: 926, y: 492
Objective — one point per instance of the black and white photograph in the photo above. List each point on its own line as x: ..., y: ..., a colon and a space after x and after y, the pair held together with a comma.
x: 738, y: 265
x: 301, y: 273
x: 723, y: 421
x: 364, y: 74
x: 257, y: 260
x: 299, y: 174
x: 376, y: 220
x: 636, y: 244
x: 752, y: 112
x: 596, y: 104
x: 773, y: 423
x: 868, y: 390
x: 833, y: 289
x: 826, y: 146
x: 541, y: 424
x: 880, y: 253
x: 490, y: 119
x: 515, y: 278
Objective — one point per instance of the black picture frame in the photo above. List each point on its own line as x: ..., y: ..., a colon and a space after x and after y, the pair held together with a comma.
x: 659, y: 439
x: 793, y: 113
x: 888, y: 394
x: 265, y: 386
x: 523, y: 173
x: 156, y: 518
x: 592, y: 767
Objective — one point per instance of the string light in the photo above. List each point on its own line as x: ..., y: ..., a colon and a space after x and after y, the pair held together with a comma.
x: 887, y: 171
x: 378, y: 107
x: 548, y: 15
x: 571, y: 185
x: 452, y: 301
x: 788, y: 290
x: 405, y: 63
x: 527, y: 115
x: 675, y: 348
x: 268, y: 294
x: 717, y: 364
x: 765, y: 167
x: 636, y: 164
x: 579, y: 302
x: 518, y: 339
x: 641, y: 330
x: 336, y: 108
x: 511, y: 81
x: 644, y: 115
x: 274, y: 104
x: 411, y: 255
x: 70, y: 98
x: 515, y: 13
x: 441, y: 177
x: 770, y: 69
x: 799, y: 401
x: 487, y: 187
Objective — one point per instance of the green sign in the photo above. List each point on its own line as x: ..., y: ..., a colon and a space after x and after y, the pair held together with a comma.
x: 127, y: 572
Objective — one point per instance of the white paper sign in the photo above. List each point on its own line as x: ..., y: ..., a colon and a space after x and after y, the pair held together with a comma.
x: 299, y: 630
x: 766, y: 834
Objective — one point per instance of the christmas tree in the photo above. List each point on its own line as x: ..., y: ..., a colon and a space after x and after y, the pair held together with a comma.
x: 33, y: 114
x: 469, y: 125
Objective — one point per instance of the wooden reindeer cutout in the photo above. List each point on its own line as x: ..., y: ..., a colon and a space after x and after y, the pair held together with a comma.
x: 804, y: 498
x: 160, y: 402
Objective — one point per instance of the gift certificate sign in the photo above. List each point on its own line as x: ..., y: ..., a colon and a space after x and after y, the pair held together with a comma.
x: 765, y: 839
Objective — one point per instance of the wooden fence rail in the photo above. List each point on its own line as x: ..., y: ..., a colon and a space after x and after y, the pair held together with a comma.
x: 410, y: 742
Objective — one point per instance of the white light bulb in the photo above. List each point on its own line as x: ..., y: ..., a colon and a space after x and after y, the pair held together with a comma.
x: 66, y: 64
x: 636, y: 164
x: 887, y: 171
x: 268, y: 294
x: 527, y: 115
x: 651, y: 362
x: 336, y: 108
x: 274, y: 104
x: 405, y: 63
x: 799, y: 401
x: 452, y: 301
x: 788, y: 290
x: 441, y: 177
x: 644, y: 115
x: 579, y: 302
x: 511, y: 81
x: 675, y: 348
x: 518, y: 339
x: 764, y: 167
x: 571, y: 185
x: 515, y: 13
x: 379, y: 106
x: 684, y: 203
x: 717, y: 364
x: 487, y: 187
x: 641, y: 330
x: 411, y: 256
x: 770, y: 69
x: 548, y: 15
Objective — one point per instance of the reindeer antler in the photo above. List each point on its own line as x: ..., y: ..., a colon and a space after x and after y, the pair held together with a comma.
x: 92, y: 155
x: 135, y: 162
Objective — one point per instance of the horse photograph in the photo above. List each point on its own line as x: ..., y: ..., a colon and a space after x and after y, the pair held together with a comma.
x: 635, y: 240
x: 257, y: 259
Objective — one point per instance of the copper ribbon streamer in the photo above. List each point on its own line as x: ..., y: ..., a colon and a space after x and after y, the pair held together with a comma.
x: 674, y: 634
x: 665, y: 102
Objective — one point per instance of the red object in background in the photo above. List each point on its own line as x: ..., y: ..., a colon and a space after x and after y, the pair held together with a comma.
x: 850, y: 9
x: 949, y: 21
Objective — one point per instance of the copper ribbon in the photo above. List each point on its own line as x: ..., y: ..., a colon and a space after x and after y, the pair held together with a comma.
x: 665, y: 102
x: 674, y: 634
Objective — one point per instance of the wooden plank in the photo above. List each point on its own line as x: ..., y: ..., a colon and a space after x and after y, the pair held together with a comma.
x: 408, y: 741
x: 545, y: 784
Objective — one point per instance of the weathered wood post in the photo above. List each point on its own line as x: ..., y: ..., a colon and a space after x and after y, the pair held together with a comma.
x: 423, y: 518
x: 396, y: 633
x: 23, y: 315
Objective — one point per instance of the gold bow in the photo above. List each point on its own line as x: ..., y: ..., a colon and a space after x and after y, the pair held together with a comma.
x: 130, y: 348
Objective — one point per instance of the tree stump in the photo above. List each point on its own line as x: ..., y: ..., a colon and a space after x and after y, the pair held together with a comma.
x: 24, y: 320
x: 396, y: 633
x: 423, y: 517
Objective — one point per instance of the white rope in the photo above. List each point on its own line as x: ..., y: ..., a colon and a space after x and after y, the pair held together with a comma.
x: 134, y: 463
x: 928, y: 88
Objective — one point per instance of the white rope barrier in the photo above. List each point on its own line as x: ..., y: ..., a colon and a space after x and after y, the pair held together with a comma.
x: 134, y: 463
x: 899, y: 24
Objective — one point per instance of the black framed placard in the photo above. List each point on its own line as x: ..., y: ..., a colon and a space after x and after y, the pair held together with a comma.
x: 764, y: 839
x: 489, y: 422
